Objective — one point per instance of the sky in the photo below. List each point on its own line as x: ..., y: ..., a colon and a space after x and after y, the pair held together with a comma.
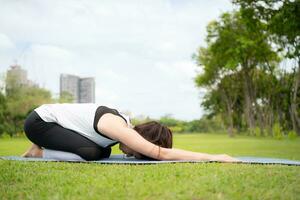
x: 138, y: 51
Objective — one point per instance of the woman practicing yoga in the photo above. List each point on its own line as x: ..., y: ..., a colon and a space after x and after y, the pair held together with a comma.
x: 87, y: 131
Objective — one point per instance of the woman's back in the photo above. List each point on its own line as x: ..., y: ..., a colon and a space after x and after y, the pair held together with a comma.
x: 77, y: 117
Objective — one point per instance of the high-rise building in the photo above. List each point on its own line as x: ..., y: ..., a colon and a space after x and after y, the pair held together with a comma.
x: 87, y: 90
x: 70, y: 83
x: 81, y: 89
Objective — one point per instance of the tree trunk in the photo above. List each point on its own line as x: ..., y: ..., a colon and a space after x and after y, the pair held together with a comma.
x: 230, y: 125
x: 229, y: 118
x: 270, y: 121
x: 260, y: 118
x: 249, y: 114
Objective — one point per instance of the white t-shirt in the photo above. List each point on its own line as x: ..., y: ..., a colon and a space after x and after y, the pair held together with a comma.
x: 76, y: 117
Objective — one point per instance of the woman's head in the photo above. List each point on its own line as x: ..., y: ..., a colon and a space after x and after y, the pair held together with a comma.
x: 155, y: 133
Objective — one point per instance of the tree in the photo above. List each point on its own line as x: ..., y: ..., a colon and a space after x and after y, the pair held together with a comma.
x: 225, y: 99
x: 235, y: 45
x: 283, y: 23
x: 20, y: 101
x: 65, y: 97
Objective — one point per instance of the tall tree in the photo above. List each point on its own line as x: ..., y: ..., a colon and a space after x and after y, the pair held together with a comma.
x: 225, y: 99
x: 283, y: 22
x: 235, y: 45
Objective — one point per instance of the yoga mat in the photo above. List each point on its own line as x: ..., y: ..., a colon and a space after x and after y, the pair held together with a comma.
x: 120, y: 159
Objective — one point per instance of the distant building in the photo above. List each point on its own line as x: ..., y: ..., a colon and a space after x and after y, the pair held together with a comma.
x: 81, y: 89
x: 87, y: 90
x: 17, y: 77
x: 70, y: 83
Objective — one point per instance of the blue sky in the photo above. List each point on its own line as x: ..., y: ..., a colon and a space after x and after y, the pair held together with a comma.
x: 138, y: 51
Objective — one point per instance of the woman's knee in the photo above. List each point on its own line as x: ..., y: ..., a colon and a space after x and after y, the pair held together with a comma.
x: 28, y: 126
x: 33, y: 127
x: 31, y: 121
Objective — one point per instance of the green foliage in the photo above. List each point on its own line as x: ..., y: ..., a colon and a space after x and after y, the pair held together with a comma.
x: 176, y: 126
x: 65, y: 97
x: 170, y: 121
x: 196, y: 126
x: 177, y: 129
x: 5, y: 135
x: 3, y: 113
x: 136, y: 121
x: 282, y: 21
x: 240, y: 66
x: 21, y: 102
x: 277, y: 131
x: 203, y: 125
x: 292, y: 135
x: 17, y: 103
x: 257, y: 132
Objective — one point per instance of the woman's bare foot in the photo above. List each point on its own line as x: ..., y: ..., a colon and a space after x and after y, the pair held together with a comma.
x: 34, y: 151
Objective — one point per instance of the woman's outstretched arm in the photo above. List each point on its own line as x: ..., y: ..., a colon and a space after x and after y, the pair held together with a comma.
x: 115, y: 127
x: 178, y: 154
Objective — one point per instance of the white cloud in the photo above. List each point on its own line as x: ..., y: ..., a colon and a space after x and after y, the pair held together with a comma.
x: 117, y: 77
x: 106, y: 96
x: 5, y: 42
x: 185, y: 69
x: 51, y: 52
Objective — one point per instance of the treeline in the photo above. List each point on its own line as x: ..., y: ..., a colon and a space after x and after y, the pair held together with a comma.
x: 247, y: 85
x: 203, y: 125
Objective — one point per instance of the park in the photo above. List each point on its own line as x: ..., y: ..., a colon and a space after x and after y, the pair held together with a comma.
x: 193, y: 86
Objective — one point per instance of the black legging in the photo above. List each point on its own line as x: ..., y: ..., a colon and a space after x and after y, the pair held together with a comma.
x: 50, y: 135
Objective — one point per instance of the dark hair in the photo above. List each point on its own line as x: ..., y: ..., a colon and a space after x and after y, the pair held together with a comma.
x: 155, y: 133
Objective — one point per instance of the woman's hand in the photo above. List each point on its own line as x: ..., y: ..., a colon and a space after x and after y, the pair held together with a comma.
x: 224, y: 158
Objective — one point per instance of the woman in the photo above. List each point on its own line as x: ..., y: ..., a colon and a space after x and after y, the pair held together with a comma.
x: 87, y: 131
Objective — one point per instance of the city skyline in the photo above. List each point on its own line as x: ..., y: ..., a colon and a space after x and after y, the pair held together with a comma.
x: 82, y: 89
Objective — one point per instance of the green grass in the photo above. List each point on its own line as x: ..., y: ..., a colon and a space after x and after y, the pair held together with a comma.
x: 38, y: 180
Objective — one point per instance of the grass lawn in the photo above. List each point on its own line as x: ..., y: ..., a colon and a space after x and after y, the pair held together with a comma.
x: 38, y: 180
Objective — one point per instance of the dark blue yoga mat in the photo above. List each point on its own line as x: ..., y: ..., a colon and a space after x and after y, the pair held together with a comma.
x: 120, y: 159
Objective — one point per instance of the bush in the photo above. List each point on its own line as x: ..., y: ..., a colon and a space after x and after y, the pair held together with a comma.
x: 257, y: 132
x: 20, y: 134
x: 277, y: 132
x: 252, y: 131
x: 5, y: 136
x: 176, y: 129
x: 292, y: 135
